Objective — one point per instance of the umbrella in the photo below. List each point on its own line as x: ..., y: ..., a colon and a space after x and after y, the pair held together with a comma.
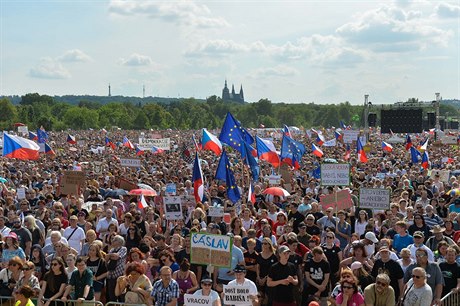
x: 277, y: 191
x: 115, y: 193
x: 145, y: 186
x: 454, y: 192
x: 19, y: 124
x: 145, y: 192
x: 3, y: 180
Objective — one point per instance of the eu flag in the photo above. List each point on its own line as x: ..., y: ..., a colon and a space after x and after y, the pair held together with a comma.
x: 415, y: 155
x: 234, y: 134
x: 249, y: 160
x: 225, y: 173
x: 42, y: 135
x: 292, y: 151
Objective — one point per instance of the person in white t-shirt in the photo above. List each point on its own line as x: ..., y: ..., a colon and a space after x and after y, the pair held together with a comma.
x: 74, y: 234
x: 241, y: 280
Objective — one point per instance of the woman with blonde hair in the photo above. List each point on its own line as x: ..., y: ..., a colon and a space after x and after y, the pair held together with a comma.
x: 90, y: 238
x: 96, y: 263
x: 28, y: 278
x: 405, y: 260
x: 346, y: 274
x: 265, y: 260
x: 31, y: 225
x: 176, y: 244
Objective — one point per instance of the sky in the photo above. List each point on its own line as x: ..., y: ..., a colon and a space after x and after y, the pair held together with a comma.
x: 286, y: 51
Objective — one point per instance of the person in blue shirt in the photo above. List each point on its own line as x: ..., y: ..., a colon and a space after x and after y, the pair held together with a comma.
x: 402, y: 239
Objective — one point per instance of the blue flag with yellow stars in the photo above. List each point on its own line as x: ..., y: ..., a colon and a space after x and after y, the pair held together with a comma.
x: 225, y: 173
x: 233, y: 133
x: 292, y: 152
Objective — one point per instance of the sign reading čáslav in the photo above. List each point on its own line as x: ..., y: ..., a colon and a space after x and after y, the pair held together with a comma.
x: 211, y: 249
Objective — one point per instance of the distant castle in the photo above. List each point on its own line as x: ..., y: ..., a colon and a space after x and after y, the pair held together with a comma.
x: 227, y: 96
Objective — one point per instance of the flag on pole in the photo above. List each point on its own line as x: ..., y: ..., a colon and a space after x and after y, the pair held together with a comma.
x: 211, y: 142
x: 233, y: 133
x: 48, y: 150
x: 423, y: 146
x: 408, y: 142
x: 266, y: 151
x: 109, y: 143
x: 425, y: 160
x: 320, y: 139
x: 20, y: 148
x: 291, y: 152
x: 249, y: 160
x: 414, y: 155
x: 286, y: 131
x: 360, y: 150
x: 316, y: 151
x: 71, y: 139
x: 338, y: 136
x: 386, y: 146
x: 142, y: 203
x: 32, y: 136
x: 197, y: 178
x: 225, y: 173
x: 139, y: 152
x: 127, y: 143
x: 42, y: 135
x: 347, y: 153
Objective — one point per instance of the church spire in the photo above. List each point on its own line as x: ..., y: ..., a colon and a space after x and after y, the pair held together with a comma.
x: 233, y: 89
x: 241, y: 93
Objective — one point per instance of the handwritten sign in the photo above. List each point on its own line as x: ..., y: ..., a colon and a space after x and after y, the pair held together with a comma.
x: 130, y: 162
x: 237, y: 295
x: 24, y: 130
x: 162, y: 143
x: 374, y: 198
x: 171, y: 189
x: 21, y: 193
x: 216, y: 211
x: 274, y: 180
x: 443, y: 175
x: 350, y: 135
x: 173, y: 208
x: 211, y: 249
x: 197, y: 300
x: 74, y: 177
x: 335, y: 174
x: 339, y: 200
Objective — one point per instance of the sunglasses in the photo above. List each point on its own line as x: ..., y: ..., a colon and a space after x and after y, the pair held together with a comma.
x: 381, y: 284
x: 417, y: 276
x: 26, y: 269
x: 347, y: 287
x: 330, y: 237
x: 14, y: 264
x: 206, y: 284
x: 420, y: 255
x: 55, y: 264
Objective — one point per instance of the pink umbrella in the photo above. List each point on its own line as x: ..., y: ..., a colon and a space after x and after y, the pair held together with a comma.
x: 145, y: 192
x: 277, y: 191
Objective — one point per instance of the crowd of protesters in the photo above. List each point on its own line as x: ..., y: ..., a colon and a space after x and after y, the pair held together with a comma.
x: 288, y: 250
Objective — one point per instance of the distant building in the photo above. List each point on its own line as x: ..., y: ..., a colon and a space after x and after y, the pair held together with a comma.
x: 234, y: 97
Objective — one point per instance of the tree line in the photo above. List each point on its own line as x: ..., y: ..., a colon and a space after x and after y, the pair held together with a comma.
x: 37, y: 110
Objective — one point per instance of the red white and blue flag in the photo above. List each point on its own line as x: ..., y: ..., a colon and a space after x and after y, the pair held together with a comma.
x: 347, y: 153
x: 109, y: 143
x: 139, y: 151
x: 316, y: 151
x: 425, y: 160
x: 386, y: 146
x: 360, y: 150
x: 320, y: 139
x: 127, y: 143
x: 286, y: 131
x: 251, y: 195
x: 197, y: 179
x: 408, y: 142
x: 33, y: 136
x: 211, y: 142
x: 423, y: 146
x: 48, y: 150
x: 156, y: 150
x: 266, y: 151
x: 338, y: 136
x: 142, y: 203
x: 20, y: 148
x: 71, y: 139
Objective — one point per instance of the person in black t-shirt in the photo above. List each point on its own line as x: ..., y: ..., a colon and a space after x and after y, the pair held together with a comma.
x: 317, y: 273
x: 451, y: 272
x: 392, y: 269
x: 282, y: 278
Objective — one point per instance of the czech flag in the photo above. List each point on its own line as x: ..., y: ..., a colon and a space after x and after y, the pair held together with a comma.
x: 320, y: 139
x: 343, y: 125
x: 251, y: 195
x: 156, y: 150
x: 20, y: 148
x: 338, y: 136
x: 266, y: 151
x: 425, y: 160
x: 316, y: 151
x: 139, y: 152
x: 71, y: 139
x: 423, y: 146
x: 33, y: 136
x: 408, y: 142
x: 198, y: 145
x: 211, y: 142
x: 360, y: 150
x: 109, y: 143
x: 197, y: 178
x: 48, y: 150
x: 347, y: 153
x: 142, y: 203
x: 127, y: 143
x: 387, y: 147
x: 286, y: 131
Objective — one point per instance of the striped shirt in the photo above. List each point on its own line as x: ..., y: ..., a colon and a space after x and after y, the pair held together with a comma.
x: 163, y: 295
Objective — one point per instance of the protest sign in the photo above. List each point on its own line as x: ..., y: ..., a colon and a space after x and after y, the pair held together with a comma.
x: 130, y: 162
x: 236, y: 295
x: 374, y: 198
x: 24, y: 130
x: 350, y: 135
x: 156, y: 136
x: 74, y: 177
x: 188, y: 201
x: 215, y: 211
x: 97, y: 167
x: 211, y: 249
x: 171, y: 189
x: 274, y: 180
x: 21, y: 193
x: 125, y: 184
x: 197, y: 300
x: 335, y: 174
x: 449, y: 139
x: 443, y: 175
x: 338, y: 200
x: 172, y: 208
x: 80, y: 143
x: 162, y: 143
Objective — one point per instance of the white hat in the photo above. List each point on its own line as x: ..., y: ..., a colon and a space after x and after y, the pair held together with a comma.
x: 371, y: 236
x: 356, y: 265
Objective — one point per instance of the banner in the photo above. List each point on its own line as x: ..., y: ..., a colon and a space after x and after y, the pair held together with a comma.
x: 330, y: 143
x: 162, y: 143
x: 21, y: 193
x: 211, y: 249
x: 374, y: 198
x: 197, y: 300
x: 274, y: 180
x: 335, y: 174
x: 24, y: 130
x: 74, y: 177
x: 338, y: 200
x: 171, y: 189
x: 173, y: 208
x: 443, y: 175
x: 350, y: 135
x: 452, y: 140
x: 215, y: 211
x: 236, y: 295
x: 130, y: 162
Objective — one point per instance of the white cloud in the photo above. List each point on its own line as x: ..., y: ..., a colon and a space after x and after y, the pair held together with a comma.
x: 277, y: 71
x: 446, y: 10
x: 388, y: 27
x: 74, y: 55
x: 136, y: 60
x: 48, y: 68
x: 183, y: 12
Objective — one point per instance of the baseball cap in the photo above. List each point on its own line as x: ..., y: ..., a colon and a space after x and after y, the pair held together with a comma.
x: 384, y: 248
x: 371, y: 236
x: 283, y: 249
x: 419, y: 234
x: 356, y: 265
x: 239, y: 268
x: 206, y: 280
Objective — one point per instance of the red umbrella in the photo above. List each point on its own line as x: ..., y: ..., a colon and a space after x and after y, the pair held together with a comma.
x: 145, y: 192
x: 277, y: 191
x: 19, y: 124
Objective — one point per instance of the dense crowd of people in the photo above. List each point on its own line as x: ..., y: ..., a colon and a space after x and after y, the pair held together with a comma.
x: 100, y: 244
